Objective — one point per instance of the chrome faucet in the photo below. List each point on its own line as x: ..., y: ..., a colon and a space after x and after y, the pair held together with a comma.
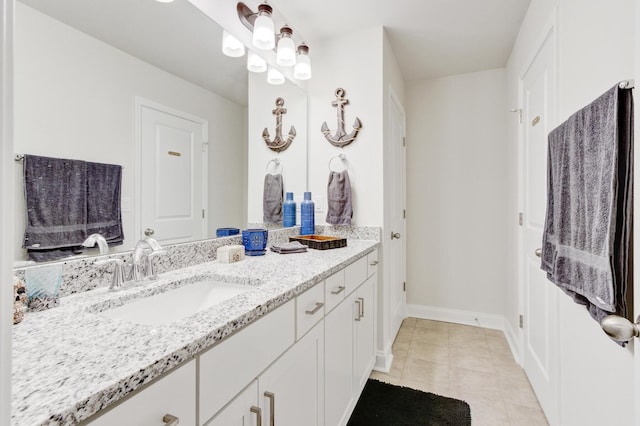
x: 138, y: 270
x: 97, y: 238
x: 118, y: 272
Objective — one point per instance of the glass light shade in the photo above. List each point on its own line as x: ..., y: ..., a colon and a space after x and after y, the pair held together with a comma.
x: 231, y: 46
x: 274, y: 76
x: 255, y: 63
x: 263, y: 33
x: 286, y: 54
x: 302, y: 70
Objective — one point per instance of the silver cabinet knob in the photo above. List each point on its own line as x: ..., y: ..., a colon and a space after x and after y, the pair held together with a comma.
x: 619, y: 328
x: 538, y: 252
x: 395, y: 235
x: 170, y: 420
x: 149, y: 232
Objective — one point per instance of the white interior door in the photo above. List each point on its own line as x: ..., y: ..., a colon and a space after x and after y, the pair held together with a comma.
x: 540, y: 328
x: 173, y: 178
x: 398, y: 222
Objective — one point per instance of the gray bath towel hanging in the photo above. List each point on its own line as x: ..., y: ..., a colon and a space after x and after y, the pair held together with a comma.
x: 340, y: 210
x: 587, y: 232
x: 273, y: 197
x: 55, y: 194
x: 104, y: 215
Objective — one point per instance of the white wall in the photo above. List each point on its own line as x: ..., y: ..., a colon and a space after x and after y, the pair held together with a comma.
x: 293, y: 160
x: 456, y: 192
x: 352, y: 61
x: 75, y: 99
x: 596, y: 50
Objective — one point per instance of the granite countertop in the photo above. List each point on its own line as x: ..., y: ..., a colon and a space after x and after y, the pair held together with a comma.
x: 69, y: 362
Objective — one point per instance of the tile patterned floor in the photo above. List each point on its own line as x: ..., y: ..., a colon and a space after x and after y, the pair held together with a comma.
x: 469, y: 363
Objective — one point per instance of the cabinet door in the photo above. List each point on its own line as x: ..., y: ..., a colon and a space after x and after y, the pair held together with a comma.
x: 173, y: 394
x: 242, y: 411
x: 338, y: 341
x: 364, y: 334
x: 291, y: 391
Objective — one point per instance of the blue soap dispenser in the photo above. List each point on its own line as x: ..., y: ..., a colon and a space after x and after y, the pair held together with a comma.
x: 289, y: 208
x: 307, y: 213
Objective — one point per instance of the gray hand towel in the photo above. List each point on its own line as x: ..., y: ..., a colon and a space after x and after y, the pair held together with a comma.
x: 290, y: 247
x: 273, y: 197
x: 339, y: 210
x: 55, y: 194
x: 104, y: 215
x: 586, y: 238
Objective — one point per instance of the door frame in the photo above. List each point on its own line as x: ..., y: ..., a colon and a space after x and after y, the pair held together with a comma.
x: 550, y: 29
x: 140, y: 103
x: 7, y: 199
x: 636, y: 219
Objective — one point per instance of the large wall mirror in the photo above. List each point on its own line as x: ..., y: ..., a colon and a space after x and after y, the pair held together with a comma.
x: 85, y: 70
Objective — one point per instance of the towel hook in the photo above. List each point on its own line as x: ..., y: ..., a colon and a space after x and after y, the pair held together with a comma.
x: 276, y: 162
x: 342, y: 158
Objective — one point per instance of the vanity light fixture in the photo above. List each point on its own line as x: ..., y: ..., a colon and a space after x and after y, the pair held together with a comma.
x: 231, y: 46
x: 263, y: 29
x: 286, y: 53
x: 302, y: 70
x: 274, y: 76
x: 255, y: 63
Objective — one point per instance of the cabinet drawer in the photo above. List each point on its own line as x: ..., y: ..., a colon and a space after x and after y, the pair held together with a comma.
x: 334, y: 290
x: 228, y: 367
x: 174, y: 394
x: 355, y: 274
x: 372, y: 263
x: 309, y: 309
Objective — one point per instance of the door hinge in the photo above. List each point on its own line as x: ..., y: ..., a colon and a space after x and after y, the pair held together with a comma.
x: 404, y: 286
x: 404, y: 141
x: 205, y: 145
x: 520, y: 219
x: 521, y: 321
x: 404, y: 213
x: 519, y: 111
x: 203, y: 213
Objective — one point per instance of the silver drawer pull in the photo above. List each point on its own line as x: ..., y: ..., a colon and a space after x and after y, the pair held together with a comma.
x: 258, y: 412
x: 170, y: 420
x: 359, y: 302
x: 272, y: 407
x: 361, y: 307
x: 338, y: 290
x: 316, y: 309
x: 374, y: 263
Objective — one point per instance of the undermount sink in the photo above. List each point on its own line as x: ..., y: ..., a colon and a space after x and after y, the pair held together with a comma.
x: 172, y: 305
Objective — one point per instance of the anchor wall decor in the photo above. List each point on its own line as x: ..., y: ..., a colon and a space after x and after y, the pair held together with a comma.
x: 341, y: 138
x: 279, y: 144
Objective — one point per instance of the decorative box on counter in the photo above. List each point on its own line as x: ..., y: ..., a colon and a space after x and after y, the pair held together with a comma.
x: 321, y: 242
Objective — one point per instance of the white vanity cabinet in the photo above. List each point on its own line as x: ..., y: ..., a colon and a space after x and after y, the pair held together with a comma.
x: 291, y: 391
x: 174, y: 394
x: 288, y: 393
x: 350, y: 342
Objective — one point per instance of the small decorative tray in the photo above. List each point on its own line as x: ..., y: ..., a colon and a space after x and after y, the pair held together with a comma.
x: 321, y: 242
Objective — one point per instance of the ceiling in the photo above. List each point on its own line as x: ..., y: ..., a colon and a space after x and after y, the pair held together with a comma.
x: 176, y: 37
x: 430, y: 38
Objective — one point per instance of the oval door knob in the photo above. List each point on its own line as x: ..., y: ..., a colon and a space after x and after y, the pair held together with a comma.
x: 619, y: 328
x: 538, y: 252
x: 395, y: 235
x: 149, y: 232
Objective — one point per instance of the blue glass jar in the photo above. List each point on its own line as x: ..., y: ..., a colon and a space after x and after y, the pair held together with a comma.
x: 289, y: 208
x: 307, y: 215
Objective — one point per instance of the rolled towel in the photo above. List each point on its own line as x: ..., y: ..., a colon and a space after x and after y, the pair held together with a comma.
x: 291, y: 247
x: 340, y: 211
x: 273, y: 197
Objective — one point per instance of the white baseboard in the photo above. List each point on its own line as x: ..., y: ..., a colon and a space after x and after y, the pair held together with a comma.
x: 383, y: 361
x: 492, y: 321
